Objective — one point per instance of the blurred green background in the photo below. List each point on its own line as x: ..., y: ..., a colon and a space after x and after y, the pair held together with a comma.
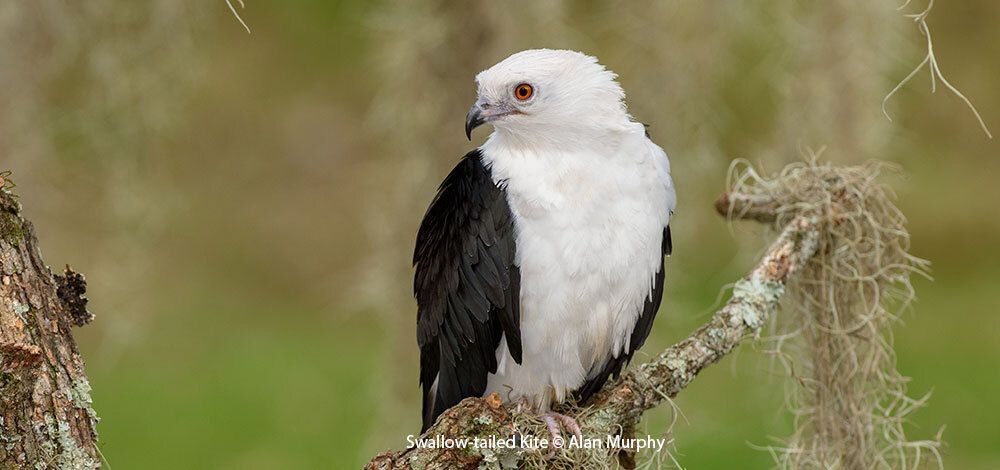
x: 244, y: 206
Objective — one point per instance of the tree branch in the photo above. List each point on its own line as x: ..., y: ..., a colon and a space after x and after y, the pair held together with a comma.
x: 619, y: 407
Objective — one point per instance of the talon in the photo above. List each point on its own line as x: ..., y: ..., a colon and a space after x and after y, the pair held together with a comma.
x: 553, y: 421
x: 554, y: 433
x: 569, y: 423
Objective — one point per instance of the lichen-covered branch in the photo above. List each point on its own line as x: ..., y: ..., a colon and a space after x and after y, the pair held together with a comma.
x: 46, y: 418
x: 619, y: 407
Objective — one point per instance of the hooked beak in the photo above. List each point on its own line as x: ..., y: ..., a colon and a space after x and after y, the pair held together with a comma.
x: 473, y: 120
x: 483, y: 112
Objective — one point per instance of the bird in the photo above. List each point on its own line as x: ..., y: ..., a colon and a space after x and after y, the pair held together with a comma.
x: 540, y: 262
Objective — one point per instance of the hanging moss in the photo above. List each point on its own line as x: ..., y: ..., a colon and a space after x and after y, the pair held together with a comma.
x: 847, y: 397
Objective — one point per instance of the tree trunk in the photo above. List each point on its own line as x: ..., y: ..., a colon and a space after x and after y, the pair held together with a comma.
x: 46, y: 418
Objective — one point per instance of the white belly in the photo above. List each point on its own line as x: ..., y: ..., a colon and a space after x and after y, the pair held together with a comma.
x: 589, y: 231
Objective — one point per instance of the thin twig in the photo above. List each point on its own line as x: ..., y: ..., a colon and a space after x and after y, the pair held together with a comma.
x: 237, y: 14
x: 931, y: 60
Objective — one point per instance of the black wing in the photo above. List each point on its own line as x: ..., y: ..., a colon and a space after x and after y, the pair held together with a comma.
x: 467, y: 287
x: 643, y: 325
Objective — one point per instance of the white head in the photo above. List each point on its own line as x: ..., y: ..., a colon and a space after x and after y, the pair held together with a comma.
x: 548, y: 96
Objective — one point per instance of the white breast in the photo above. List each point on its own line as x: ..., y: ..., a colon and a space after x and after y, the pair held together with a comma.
x: 589, y: 226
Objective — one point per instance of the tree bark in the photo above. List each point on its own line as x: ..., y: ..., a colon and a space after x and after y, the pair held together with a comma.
x: 46, y: 417
x: 617, y: 409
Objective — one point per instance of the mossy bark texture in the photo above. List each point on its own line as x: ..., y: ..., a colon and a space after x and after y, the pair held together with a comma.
x: 619, y: 407
x: 46, y: 417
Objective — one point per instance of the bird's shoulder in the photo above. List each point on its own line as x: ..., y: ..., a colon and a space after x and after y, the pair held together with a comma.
x: 465, y: 192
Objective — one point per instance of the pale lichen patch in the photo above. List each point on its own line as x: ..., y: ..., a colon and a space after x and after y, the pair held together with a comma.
x: 66, y: 453
x: 753, y: 299
x: 490, y: 460
x: 80, y: 395
x: 18, y: 307
x: 8, y: 441
x: 717, y: 334
x: 677, y: 366
x: 484, y: 420
x: 71, y: 455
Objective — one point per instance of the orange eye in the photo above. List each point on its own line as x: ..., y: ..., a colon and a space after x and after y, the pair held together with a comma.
x: 523, y: 91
